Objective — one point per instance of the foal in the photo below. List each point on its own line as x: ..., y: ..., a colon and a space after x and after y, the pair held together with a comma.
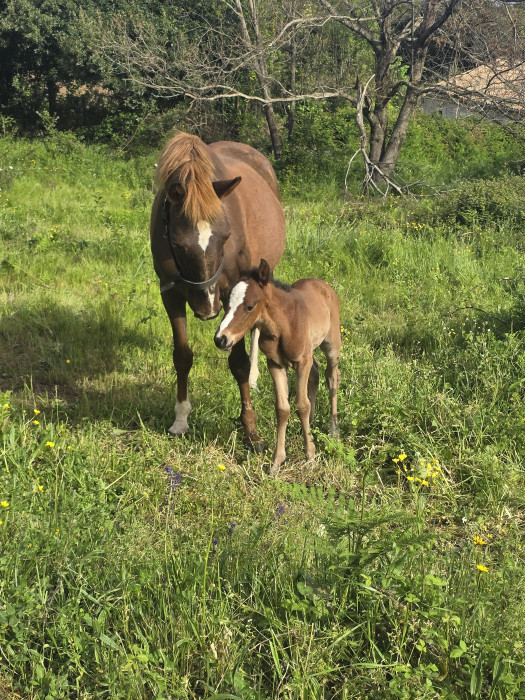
x: 293, y: 321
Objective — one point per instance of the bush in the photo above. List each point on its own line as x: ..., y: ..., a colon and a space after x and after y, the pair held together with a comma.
x: 494, y: 202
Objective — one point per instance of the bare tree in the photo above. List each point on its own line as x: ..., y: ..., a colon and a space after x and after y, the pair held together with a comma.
x: 398, y: 34
x: 278, y: 54
x: 258, y: 61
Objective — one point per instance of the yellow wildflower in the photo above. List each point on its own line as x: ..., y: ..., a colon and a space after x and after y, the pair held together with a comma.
x: 6, y: 405
x: 410, y: 478
x: 36, y: 411
x: 4, y: 504
x: 50, y: 444
x: 481, y: 567
x: 479, y: 540
x: 36, y: 422
x: 402, y: 457
x: 221, y: 467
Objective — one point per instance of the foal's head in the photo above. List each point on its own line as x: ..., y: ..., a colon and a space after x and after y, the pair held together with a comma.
x: 244, y: 306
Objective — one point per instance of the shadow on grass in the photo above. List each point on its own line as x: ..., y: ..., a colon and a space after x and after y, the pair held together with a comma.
x: 79, y: 358
x: 51, y: 345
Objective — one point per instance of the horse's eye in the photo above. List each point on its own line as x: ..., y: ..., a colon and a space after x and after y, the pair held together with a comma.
x: 249, y: 307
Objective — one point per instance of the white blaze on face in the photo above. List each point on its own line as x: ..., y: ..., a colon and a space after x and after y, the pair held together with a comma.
x: 236, y: 299
x: 205, y: 233
x: 211, y: 298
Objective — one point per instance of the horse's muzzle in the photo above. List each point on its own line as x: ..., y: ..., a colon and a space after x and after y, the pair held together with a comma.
x: 222, y: 342
x: 208, y: 317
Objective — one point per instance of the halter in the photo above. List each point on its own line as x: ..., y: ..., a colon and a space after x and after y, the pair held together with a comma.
x: 194, y: 286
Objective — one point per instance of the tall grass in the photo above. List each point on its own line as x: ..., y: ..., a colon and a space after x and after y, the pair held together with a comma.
x: 138, y: 566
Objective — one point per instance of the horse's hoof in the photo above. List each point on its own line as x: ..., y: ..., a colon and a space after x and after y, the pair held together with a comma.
x: 257, y: 446
x: 171, y: 434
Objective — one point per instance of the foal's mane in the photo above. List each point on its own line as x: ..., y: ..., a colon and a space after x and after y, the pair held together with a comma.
x: 253, y: 274
x: 185, y: 157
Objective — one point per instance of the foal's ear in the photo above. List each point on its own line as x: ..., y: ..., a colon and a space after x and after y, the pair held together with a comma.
x: 176, y: 192
x: 264, y: 272
x: 224, y: 187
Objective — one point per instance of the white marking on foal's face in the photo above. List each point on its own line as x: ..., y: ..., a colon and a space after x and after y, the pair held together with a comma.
x: 205, y: 233
x: 236, y: 299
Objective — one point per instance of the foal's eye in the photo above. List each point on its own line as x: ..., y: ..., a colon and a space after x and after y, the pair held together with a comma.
x: 249, y: 307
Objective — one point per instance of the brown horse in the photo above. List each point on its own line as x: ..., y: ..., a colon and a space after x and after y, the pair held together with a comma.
x: 293, y: 321
x: 217, y: 212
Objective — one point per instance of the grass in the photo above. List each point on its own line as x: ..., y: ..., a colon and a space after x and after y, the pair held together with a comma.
x: 137, y: 566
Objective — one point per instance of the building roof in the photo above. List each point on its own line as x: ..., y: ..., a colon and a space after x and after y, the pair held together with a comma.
x: 500, y: 85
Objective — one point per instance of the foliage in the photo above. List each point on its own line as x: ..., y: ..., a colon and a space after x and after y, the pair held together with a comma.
x: 484, y: 202
x: 439, y: 150
x: 137, y: 566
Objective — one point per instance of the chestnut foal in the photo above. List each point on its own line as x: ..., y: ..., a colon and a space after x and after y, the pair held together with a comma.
x: 293, y: 321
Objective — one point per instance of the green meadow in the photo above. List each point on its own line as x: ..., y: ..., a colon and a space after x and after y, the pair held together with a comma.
x: 134, y: 565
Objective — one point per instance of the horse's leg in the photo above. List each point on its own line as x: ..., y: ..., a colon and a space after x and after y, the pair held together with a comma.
x: 303, y: 403
x: 332, y: 349
x: 254, y: 354
x: 175, y: 306
x: 239, y: 364
x: 282, y: 410
x: 313, y: 385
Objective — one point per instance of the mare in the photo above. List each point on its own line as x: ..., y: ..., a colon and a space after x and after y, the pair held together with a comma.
x: 217, y: 212
x: 293, y: 321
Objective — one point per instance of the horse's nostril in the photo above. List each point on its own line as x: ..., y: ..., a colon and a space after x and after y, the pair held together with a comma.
x: 221, y: 341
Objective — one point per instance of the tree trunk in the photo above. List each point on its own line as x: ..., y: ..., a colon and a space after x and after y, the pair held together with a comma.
x: 52, y: 92
x: 391, y: 153
x: 261, y: 70
x: 378, y: 120
x: 291, y: 108
x: 274, y: 131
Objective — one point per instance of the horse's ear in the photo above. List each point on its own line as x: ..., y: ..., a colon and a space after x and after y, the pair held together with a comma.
x: 224, y: 187
x: 264, y: 272
x: 176, y: 192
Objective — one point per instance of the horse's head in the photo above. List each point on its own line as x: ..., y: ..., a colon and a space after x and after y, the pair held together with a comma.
x: 244, y: 307
x: 197, y: 243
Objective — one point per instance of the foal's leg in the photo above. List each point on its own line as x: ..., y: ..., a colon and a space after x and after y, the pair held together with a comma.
x: 331, y: 347
x: 175, y: 306
x: 313, y: 385
x: 282, y: 410
x: 239, y: 364
x: 303, y: 403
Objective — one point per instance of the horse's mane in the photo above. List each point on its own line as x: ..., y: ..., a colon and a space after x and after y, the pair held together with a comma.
x: 253, y: 274
x: 185, y: 157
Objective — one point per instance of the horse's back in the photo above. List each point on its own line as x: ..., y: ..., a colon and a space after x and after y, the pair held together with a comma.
x: 232, y: 152
x: 319, y: 301
x: 313, y: 288
x: 254, y: 209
